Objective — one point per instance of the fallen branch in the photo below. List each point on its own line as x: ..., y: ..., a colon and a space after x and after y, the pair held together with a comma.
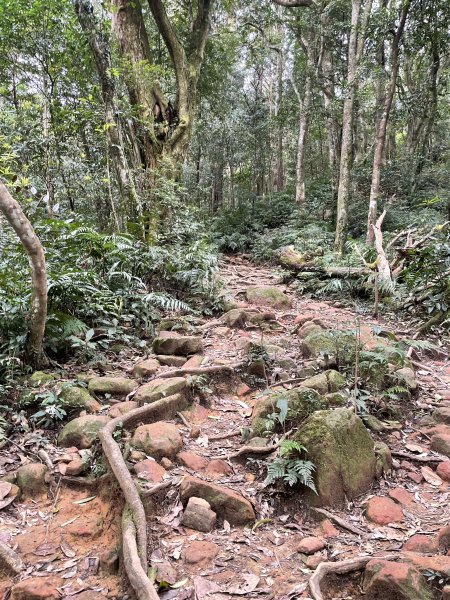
x: 340, y: 568
x: 418, y: 458
x: 10, y: 560
x: 136, y: 549
x: 224, y: 436
x: 339, y: 521
x: 256, y: 449
x: 157, y: 488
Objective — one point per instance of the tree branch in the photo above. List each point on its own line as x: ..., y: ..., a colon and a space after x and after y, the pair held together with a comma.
x: 293, y: 3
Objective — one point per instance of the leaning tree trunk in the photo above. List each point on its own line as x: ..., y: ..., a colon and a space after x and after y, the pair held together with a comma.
x: 34, y: 353
x: 380, y: 140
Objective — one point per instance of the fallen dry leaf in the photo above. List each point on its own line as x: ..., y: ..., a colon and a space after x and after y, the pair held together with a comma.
x: 430, y: 476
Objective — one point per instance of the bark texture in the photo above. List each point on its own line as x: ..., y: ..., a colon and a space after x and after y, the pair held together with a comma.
x: 34, y: 353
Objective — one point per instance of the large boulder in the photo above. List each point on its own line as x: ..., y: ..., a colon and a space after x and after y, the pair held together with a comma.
x: 301, y: 403
x: 36, y: 588
x: 112, y: 385
x: 268, y: 296
x: 159, y: 388
x: 227, y: 503
x: 180, y: 345
x: 394, y: 579
x: 78, y: 397
x: 158, y: 440
x: 326, y: 382
x: 235, y: 318
x: 332, y: 343
x: 342, y: 451
x: 406, y: 378
x: 82, y: 431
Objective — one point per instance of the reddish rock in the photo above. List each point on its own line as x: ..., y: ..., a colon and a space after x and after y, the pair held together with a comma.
x: 31, y: 479
x: 421, y: 543
x: 311, y: 545
x: 416, y: 477
x: 393, y: 579
x: 158, y: 439
x: 326, y: 529
x: 382, y: 511
x: 194, y: 362
x: 75, y: 467
x: 145, y: 368
x: 440, y: 442
x: 300, y: 319
x: 150, y: 470
x: 227, y: 503
x: 87, y: 595
x: 198, y: 515
x: 435, y: 563
x: 192, y: 461
x: 200, y: 552
x: 401, y: 496
x: 444, y: 538
x: 243, y: 389
x: 313, y: 561
x: 443, y: 470
x: 121, y: 408
x: 218, y: 468
x: 35, y: 588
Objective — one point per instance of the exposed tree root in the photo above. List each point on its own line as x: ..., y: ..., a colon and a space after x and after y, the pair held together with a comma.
x: 135, y: 557
x: 340, y: 568
x: 339, y: 521
x: 10, y: 560
x: 256, y: 449
x: 137, y: 575
x: 199, y: 370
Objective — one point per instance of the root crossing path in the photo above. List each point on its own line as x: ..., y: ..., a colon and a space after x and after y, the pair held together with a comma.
x: 183, y: 510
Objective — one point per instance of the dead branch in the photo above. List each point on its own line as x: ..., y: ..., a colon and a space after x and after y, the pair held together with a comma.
x: 340, y: 568
x: 418, y: 458
x: 157, y: 488
x: 224, y: 436
x: 384, y: 270
x: 339, y: 521
x: 10, y: 560
x: 257, y: 449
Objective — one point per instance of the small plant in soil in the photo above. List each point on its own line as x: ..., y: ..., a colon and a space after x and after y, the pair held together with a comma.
x: 290, y: 467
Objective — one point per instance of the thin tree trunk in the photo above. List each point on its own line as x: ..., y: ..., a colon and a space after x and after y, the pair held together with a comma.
x: 34, y: 353
x: 279, y: 167
x: 347, y: 134
x: 382, y: 127
x: 101, y: 51
x: 305, y: 106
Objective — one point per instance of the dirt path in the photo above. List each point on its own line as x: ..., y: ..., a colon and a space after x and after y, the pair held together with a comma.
x: 70, y: 548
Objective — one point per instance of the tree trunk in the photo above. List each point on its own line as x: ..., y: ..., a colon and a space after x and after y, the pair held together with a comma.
x: 347, y: 134
x: 34, y: 353
x: 279, y: 167
x: 300, y: 189
x: 113, y: 127
x: 382, y: 127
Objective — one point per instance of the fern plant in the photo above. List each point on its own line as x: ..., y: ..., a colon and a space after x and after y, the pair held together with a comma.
x: 290, y: 467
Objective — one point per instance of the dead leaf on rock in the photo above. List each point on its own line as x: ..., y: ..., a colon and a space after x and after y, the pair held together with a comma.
x: 430, y: 476
x: 414, y: 448
x: 5, y: 488
x: 45, y: 549
x: 67, y: 549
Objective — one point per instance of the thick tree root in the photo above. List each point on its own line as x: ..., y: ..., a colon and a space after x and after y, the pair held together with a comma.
x: 10, y: 561
x: 340, y: 568
x: 137, y: 575
x: 165, y: 408
x: 199, y: 370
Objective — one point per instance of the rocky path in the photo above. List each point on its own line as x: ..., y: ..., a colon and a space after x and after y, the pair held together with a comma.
x: 216, y: 530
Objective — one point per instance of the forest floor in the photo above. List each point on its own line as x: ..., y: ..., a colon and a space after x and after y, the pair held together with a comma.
x: 68, y: 539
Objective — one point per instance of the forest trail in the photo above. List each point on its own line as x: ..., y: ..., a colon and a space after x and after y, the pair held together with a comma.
x: 69, y: 541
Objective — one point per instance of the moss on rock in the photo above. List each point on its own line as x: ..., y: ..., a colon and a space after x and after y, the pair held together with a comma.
x: 78, y: 397
x: 342, y: 451
x: 268, y: 296
x: 82, y: 431
x: 301, y: 403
